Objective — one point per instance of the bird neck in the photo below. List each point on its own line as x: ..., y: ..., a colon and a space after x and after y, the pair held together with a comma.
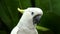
x: 26, y: 22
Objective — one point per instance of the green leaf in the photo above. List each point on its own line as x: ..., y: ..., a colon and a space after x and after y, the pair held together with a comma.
x: 51, y: 17
x: 42, y: 28
x: 23, y: 4
x: 9, y: 13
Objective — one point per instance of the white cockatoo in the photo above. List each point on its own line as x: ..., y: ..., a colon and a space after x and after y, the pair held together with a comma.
x: 26, y: 24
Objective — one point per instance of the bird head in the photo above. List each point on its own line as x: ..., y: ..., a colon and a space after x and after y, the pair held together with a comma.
x: 33, y: 14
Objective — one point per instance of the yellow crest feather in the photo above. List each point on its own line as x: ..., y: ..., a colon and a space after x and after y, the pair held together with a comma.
x: 20, y: 10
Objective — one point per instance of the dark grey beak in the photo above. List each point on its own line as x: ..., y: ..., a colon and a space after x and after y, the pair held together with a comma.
x: 36, y: 19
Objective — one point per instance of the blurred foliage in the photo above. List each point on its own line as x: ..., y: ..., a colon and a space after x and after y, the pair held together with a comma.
x: 9, y: 16
x: 42, y: 28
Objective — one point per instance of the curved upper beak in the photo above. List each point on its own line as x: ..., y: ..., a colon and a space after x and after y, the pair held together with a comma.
x: 36, y: 19
x: 20, y: 10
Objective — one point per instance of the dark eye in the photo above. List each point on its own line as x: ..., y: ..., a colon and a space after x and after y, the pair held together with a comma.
x: 32, y: 13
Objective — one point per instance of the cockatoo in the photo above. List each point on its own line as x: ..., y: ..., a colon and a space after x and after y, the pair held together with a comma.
x: 26, y: 24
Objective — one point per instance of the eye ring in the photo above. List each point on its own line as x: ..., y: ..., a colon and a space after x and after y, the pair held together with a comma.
x: 32, y: 13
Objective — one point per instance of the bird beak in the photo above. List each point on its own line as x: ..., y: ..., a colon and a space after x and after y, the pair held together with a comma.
x: 36, y: 19
x: 20, y: 10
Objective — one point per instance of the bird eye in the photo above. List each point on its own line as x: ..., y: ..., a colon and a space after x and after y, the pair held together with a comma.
x: 32, y: 13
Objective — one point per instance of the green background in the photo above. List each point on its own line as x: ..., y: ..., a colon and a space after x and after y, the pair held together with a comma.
x: 9, y: 15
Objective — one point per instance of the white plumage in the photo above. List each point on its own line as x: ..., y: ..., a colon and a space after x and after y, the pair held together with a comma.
x: 25, y: 24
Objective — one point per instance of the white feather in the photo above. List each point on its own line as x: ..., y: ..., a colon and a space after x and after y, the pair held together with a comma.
x: 25, y: 25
